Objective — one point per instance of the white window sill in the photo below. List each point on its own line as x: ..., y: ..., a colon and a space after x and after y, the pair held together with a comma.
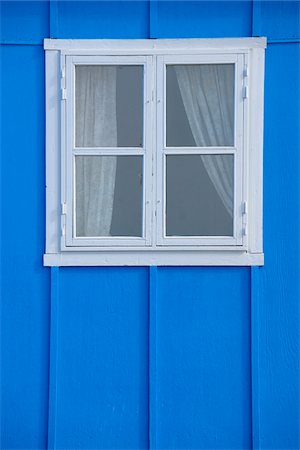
x: 155, y: 258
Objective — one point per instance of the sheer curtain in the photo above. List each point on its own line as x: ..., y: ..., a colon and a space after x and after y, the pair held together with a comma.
x: 96, y: 126
x: 207, y: 92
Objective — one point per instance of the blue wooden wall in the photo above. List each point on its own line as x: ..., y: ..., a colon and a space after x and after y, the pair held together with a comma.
x: 136, y: 358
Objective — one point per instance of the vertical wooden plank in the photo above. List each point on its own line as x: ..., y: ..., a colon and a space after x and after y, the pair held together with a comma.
x: 53, y: 19
x: 152, y: 356
x: 276, y: 285
x: 53, y: 358
x: 26, y: 283
x: 274, y: 296
x: 153, y: 18
x: 280, y: 20
x: 103, y: 19
x: 203, y: 19
x: 25, y: 22
x: 255, y: 338
x: 256, y: 18
x: 203, y: 367
x: 103, y: 360
x: 99, y: 378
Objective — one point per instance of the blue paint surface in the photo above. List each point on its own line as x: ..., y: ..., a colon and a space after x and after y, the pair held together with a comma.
x: 138, y: 358
x: 24, y: 21
x: 280, y: 19
x: 278, y: 282
x: 102, y: 375
x: 203, y: 358
x: 25, y: 283
x: 204, y: 19
x: 103, y: 20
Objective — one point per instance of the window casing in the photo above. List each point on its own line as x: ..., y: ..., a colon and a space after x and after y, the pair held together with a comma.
x: 233, y: 167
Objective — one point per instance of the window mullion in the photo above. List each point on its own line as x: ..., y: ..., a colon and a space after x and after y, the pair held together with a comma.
x: 148, y: 151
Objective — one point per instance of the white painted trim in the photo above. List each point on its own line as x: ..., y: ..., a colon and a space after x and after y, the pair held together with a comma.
x: 69, y: 151
x: 153, y: 46
x: 250, y: 253
x: 147, y: 249
x: 155, y: 258
x: 237, y: 150
x: 245, y: 144
x: 255, y: 167
x: 53, y: 206
x: 205, y: 58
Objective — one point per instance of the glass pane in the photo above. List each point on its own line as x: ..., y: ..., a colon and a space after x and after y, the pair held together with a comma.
x: 200, y: 105
x: 109, y: 195
x: 200, y: 195
x: 109, y: 106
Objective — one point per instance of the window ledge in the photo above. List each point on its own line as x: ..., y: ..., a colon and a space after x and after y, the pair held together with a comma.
x: 155, y: 258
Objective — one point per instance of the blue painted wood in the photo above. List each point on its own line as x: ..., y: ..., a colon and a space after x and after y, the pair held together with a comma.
x: 275, y: 309
x: 52, y: 409
x: 277, y: 283
x: 185, y: 19
x: 102, y: 374
x: 153, y: 18
x: 152, y: 357
x: 104, y: 19
x: 187, y: 381
x: 25, y: 287
x: 280, y: 19
x: 255, y: 352
x: 18, y: 42
x: 256, y: 18
x: 53, y: 19
x: 203, y: 314
x: 284, y: 41
x: 203, y: 358
x: 24, y: 21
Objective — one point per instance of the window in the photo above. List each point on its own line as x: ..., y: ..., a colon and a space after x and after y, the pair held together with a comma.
x: 154, y: 152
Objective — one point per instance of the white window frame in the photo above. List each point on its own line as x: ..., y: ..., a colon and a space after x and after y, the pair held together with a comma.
x: 70, y: 151
x: 154, y: 248
x: 238, y: 238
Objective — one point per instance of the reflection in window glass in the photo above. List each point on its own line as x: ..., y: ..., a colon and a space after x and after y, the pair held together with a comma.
x: 109, y: 196
x: 200, y: 105
x: 109, y: 106
x: 199, y: 199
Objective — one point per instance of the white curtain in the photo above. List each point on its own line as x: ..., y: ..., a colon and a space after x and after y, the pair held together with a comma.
x: 208, y: 98
x: 96, y: 126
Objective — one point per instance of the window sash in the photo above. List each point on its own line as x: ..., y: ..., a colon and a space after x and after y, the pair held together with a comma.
x: 71, y: 151
x: 238, y: 239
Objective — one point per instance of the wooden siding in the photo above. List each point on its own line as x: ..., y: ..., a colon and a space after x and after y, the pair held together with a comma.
x: 136, y: 357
